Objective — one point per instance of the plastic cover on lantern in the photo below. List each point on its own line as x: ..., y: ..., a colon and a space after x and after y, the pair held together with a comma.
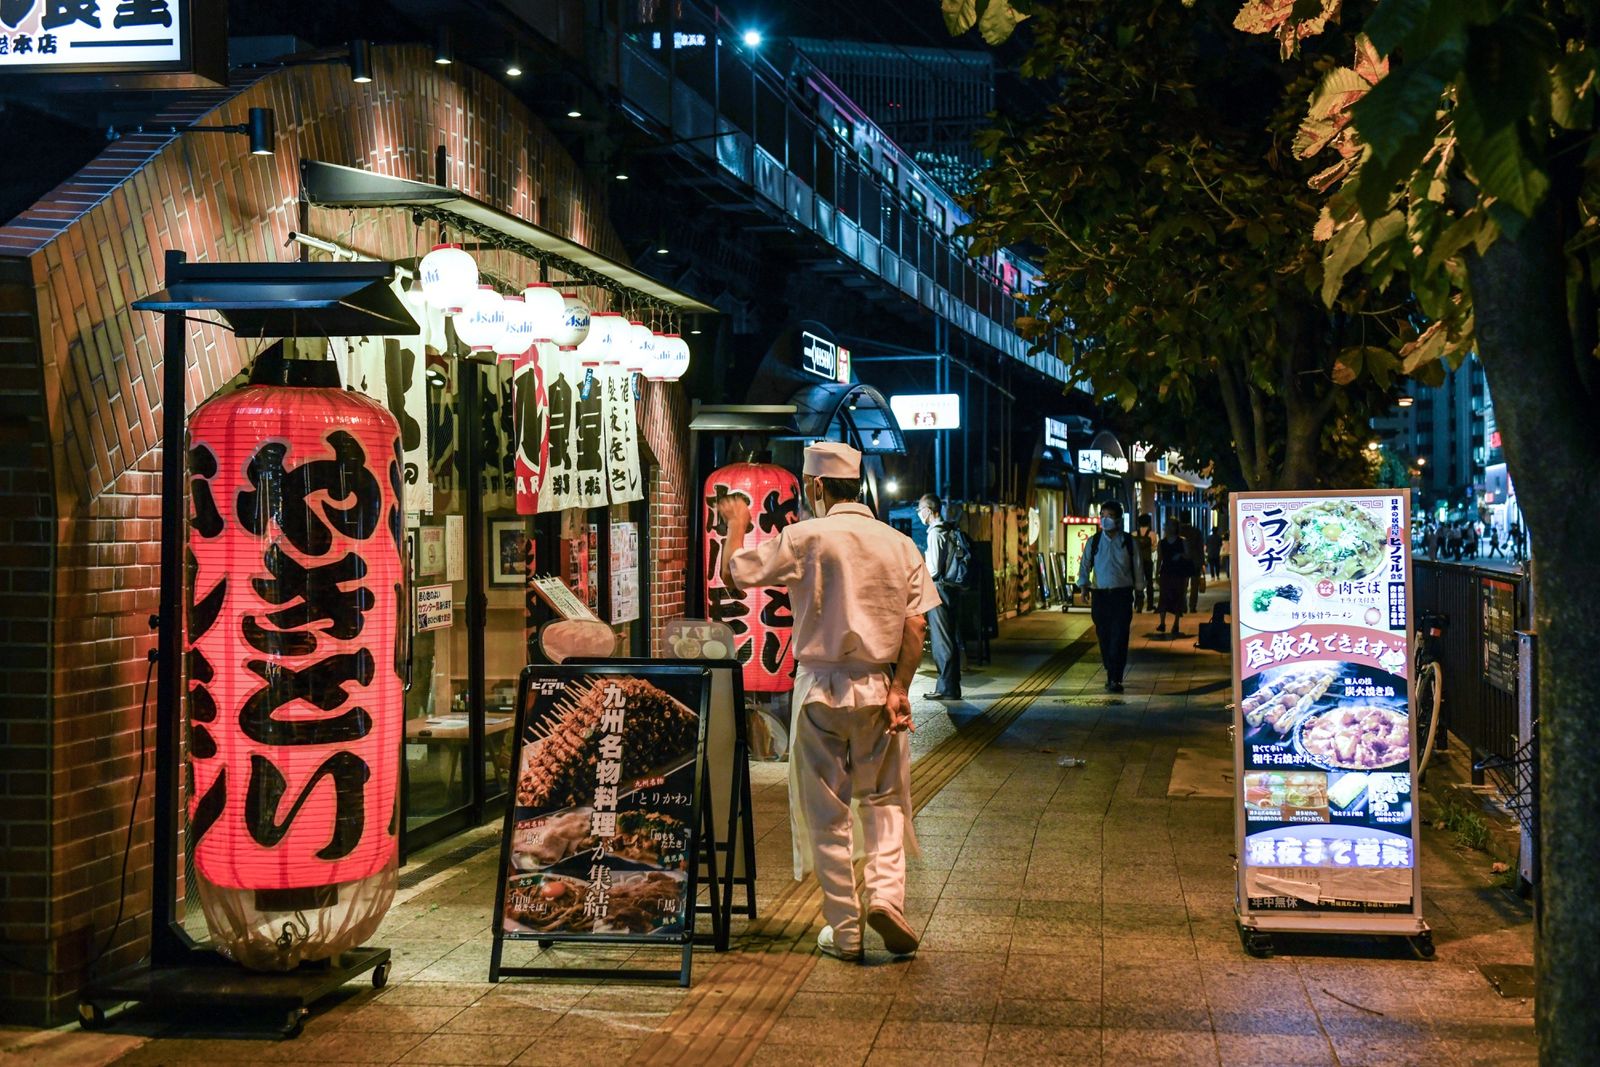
x: 576, y: 319
x: 449, y: 275
x: 518, y: 334
x: 546, y: 307
x: 295, y: 694
x: 762, y: 618
x: 482, y: 319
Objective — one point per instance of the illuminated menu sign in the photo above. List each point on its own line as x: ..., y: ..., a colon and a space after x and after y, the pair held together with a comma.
x: 1325, y: 741
x: 94, y: 36
x: 819, y: 356
x: 1055, y: 434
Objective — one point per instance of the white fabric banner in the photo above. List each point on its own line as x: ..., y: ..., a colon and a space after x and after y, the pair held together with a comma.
x: 622, y: 438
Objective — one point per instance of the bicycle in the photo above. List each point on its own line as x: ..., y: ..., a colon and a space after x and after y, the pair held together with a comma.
x: 1429, y: 688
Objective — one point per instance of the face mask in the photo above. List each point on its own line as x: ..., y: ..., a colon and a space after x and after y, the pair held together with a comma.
x: 1107, y: 522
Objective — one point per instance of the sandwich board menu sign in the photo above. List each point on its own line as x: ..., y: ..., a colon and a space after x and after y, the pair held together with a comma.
x: 601, y: 839
x: 1325, y: 744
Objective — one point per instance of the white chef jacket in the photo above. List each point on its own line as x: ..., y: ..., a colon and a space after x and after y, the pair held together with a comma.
x: 853, y: 581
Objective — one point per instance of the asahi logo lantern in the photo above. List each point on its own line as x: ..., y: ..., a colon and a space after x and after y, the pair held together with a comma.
x: 295, y: 690
x: 761, y: 617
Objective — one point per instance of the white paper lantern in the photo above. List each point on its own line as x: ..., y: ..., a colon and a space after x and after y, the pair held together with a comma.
x: 644, y: 351
x: 546, y: 307
x: 449, y: 277
x: 655, y: 368
x: 482, y: 319
x: 575, y: 321
x: 674, y: 358
x: 597, y: 349
x: 518, y: 335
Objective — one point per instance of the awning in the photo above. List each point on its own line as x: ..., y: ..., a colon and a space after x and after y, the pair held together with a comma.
x: 329, y: 185
x: 289, y: 299
x: 1151, y: 474
x: 863, y: 412
x: 775, y: 419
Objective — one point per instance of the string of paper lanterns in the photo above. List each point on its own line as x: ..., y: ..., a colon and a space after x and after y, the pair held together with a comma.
x: 485, y: 321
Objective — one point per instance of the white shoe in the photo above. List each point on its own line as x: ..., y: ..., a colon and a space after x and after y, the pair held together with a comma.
x: 826, y: 944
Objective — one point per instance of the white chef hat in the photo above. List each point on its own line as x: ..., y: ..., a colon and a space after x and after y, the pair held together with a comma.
x: 830, y: 459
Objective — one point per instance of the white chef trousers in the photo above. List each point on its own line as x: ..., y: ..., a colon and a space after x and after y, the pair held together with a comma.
x: 841, y: 755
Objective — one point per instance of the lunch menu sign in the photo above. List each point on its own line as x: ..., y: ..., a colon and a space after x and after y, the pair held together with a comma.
x: 1324, y: 738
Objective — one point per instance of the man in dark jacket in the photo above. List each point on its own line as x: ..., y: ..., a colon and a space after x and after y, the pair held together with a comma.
x: 1195, y: 544
x: 1110, y: 571
x: 944, y: 620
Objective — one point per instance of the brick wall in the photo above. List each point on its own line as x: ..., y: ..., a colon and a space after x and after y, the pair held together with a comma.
x: 79, y: 459
x: 663, y: 422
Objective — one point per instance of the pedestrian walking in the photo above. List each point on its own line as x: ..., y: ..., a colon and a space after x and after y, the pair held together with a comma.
x: 1214, y: 552
x: 860, y: 592
x: 1452, y: 540
x: 1144, y: 541
x: 1110, y: 571
x: 1494, y: 542
x: 1469, y: 541
x: 949, y: 557
x: 1177, y: 568
x: 1195, y: 543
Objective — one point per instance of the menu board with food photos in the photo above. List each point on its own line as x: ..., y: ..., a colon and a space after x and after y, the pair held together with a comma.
x: 1325, y: 743
x: 601, y: 837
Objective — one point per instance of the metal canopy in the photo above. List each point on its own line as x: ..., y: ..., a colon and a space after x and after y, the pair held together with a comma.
x: 329, y: 185
x: 289, y: 299
x: 860, y: 408
x: 777, y: 419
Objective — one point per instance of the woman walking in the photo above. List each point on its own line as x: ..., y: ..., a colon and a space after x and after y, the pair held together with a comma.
x: 1176, y: 568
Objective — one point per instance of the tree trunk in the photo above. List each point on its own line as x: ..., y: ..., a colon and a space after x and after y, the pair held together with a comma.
x: 1552, y: 446
x: 1302, y: 448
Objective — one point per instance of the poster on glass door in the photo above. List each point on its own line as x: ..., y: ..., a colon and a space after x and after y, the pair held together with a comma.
x: 1326, y: 743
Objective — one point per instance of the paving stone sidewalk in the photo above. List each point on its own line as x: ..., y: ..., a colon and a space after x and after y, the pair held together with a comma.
x: 1070, y: 915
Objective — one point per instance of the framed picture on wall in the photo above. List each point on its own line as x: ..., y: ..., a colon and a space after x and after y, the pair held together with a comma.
x: 508, y: 549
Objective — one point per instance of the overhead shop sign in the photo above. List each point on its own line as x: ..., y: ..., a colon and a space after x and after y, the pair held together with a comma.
x: 1090, y: 461
x: 819, y: 356
x: 98, y: 36
x: 1055, y: 434
x: 927, y: 411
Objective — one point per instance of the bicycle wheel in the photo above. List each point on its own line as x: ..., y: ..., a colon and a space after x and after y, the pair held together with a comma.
x: 1429, y: 697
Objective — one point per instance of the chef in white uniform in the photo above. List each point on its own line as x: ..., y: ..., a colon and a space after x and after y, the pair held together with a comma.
x: 859, y: 590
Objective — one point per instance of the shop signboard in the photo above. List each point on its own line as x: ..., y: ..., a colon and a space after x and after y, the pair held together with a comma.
x: 1055, y: 434
x: 436, y: 607
x: 1090, y: 461
x: 624, y: 572
x: 1325, y: 744
x: 819, y: 356
x: 1076, y: 532
x: 621, y: 437
x: 1499, y: 607
x: 601, y: 840
x: 107, y: 36
x: 927, y: 411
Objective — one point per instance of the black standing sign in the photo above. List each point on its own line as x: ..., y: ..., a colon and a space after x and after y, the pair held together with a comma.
x: 602, y: 836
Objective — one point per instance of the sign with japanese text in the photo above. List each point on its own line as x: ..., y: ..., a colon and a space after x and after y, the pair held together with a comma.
x: 602, y: 834
x: 927, y: 411
x: 94, y: 36
x: 436, y: 607
x: 624, y: 572
x: 623, y: 479
x: 575, y: 476
x: 1499, y: 628
x: 1326, y: 810
x: 1076, y: 533
x: 562, y: 600
x: 1056, y: 434
x: 819, y: 356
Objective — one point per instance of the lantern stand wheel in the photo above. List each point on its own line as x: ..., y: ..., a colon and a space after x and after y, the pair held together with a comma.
x: 1422, y: 944
x: 91, y: 1016
x: 380, y: 975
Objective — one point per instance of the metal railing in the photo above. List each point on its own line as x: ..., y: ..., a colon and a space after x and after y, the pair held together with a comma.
x: 1480, y: 685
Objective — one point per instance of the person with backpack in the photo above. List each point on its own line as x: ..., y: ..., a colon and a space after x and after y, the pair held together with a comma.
x: 1110, y: 571
x: 949, y: 558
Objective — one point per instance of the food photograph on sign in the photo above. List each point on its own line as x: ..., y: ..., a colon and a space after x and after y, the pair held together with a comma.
x: 600, y: 831
x: 1326, y: 739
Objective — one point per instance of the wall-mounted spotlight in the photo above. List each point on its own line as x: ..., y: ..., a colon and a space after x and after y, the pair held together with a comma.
x: 260, y: 128
x: 514, y: 64
x: 360, y: 62
x: 444, y: 52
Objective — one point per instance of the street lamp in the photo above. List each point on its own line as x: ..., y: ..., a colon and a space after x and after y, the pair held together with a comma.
x: 752, y: 38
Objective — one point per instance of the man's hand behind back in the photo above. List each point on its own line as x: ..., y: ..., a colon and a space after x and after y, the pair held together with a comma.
x: 899, y: 707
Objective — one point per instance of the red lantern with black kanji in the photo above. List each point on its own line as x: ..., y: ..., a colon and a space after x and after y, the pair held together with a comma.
x: 296, y: 700
x: 761, y: 618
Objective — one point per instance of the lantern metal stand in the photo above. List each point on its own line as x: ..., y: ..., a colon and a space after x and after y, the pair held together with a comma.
x: 262, y: 300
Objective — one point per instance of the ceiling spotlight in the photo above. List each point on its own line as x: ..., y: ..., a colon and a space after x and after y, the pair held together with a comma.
x: 662, y: 250
x: 513, y: 68
x: 444, y: 52
x: 1406, y: 401
x: 574, y: 112
x: 752, y: 38
x: 621, y: 175
x: 360, y: 62
x: 891, y: 486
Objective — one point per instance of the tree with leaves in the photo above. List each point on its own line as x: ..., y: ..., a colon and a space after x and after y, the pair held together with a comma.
x: 1464, y: 163
x: 1172, y: 223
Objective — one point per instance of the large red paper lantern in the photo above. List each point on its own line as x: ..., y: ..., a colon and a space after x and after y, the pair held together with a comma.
x: 761, y: 618
x: 296, y: 705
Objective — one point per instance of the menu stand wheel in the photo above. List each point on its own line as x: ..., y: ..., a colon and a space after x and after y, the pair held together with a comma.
x: 91, y: 1016
x: 545, y: 945
x: 1422, y: 944
x: 380, y: 975
x: 293, y: 1023
x: 1256, y: 942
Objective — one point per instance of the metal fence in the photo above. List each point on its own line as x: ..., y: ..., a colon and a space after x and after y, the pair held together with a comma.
x: 1478, y: 655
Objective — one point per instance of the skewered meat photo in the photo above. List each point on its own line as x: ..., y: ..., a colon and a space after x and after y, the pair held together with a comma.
x: 1288, y: 695
x: 558, y: 769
